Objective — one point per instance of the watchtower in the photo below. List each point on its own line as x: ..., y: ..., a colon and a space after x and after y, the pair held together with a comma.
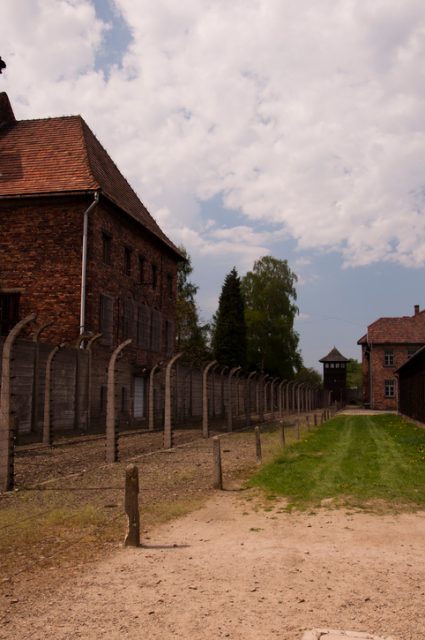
x: 335, y: 375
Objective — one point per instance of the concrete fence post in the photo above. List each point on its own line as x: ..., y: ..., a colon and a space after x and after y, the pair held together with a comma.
x: 7, y: 424
x: 168, y: 427
x: 272, y: 397
x: 112, y: 434
x: 281, y: 402
x: 89, y: 346
x: 131, y: 504
x: 217, y: 469
x: 151, y: 398
x: 47, y: 419
x: 36, y: 377
x: 248, y: 403
x: 230, y: 398
x: 205, y: 416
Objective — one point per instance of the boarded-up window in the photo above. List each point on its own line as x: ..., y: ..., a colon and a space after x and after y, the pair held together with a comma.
x: 156, y: 331
x: 106, y: 318
x: 9, y: 312
x: 127, y: 319
x: 168, y: 337
x: 143, y: 327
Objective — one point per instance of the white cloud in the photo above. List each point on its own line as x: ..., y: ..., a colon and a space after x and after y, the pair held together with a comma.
x: 307, y: 116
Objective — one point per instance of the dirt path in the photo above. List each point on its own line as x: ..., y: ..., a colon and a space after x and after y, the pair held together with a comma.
x: 240, y: 569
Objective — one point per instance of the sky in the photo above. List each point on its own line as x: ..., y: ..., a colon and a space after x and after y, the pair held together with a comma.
x: 293, y: 128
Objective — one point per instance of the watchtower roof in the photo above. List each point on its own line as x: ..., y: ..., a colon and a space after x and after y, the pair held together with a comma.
x: 334, y: 356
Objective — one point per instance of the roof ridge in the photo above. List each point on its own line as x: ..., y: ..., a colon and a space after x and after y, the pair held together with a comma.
x: 84, y: 126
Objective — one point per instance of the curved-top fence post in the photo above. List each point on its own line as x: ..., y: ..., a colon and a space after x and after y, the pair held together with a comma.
x: 248, y: 397
x: 280, y: 397
x: 151, y: 398
x: 272, y: 396
x: 47, y: 419
x: 89, y: 346
x: 112, y: 434
x: 168, y: 431
x: 6, y: 421
x: 229, y: 398
x: 36, y: 376
x: 205, y: 425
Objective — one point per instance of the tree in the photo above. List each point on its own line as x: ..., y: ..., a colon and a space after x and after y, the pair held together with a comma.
x: 229, y: 334
x: 308, y: 375
x: 270, y: 310
x: 354, y: 374
x: 191, y: 336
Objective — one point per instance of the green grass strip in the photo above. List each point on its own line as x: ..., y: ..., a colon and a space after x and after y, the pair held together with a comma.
x: 354, y: 460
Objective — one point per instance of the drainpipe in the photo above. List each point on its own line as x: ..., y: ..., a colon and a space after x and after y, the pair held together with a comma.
x: 84, y: 264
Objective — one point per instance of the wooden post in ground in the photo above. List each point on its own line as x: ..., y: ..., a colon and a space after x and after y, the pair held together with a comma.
x: 307, y: 419
x: 131, y: 504
x: 7, y: 424
x: 258, y: 454
x: 282, y: 434
x: 297, y: 425
x: 315, y: 419
x: 217, y: 471
x: 112, y: 434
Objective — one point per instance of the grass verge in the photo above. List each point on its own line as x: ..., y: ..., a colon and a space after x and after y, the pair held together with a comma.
x: 360, y: 461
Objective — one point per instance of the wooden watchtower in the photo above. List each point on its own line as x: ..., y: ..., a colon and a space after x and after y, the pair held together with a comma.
x: 335, y: 375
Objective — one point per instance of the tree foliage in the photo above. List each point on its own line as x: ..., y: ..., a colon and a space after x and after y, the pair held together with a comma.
x: 270, y: 310
x: 229, y: 333
x: 191, y: 336
x: 354, y: 374
x: 308, y: 375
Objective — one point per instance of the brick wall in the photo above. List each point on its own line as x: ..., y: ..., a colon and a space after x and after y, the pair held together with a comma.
x: 40, y: 256
x: 382, y: 372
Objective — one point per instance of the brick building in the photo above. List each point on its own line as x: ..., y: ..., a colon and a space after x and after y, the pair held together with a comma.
x: 335, y: 375
x: 387, y: 345
x: 78, y: 247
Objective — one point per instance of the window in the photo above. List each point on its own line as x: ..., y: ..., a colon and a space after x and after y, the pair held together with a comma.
x: 388, y: 358
x: 389, y: 388
x: 127, y: 261
x: 9, y: 312
x: 106, y: 318
x: 154, y: 276
x: 156, y: 331
x: 168, y: 337
x: 170, y: 285
x: 124, y: 400
x: 336, y: 365
x: 106, y: 248
x: 142, y: 263
x: 103, y: 393
x: 143, y: 327
x: 127, y: 320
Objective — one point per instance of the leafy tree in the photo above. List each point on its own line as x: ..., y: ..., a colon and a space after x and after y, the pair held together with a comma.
x: 354, y: 374
x: 191, y: 336
x: 229, y: 332
x: 270, y: 310
x: 308, y: 375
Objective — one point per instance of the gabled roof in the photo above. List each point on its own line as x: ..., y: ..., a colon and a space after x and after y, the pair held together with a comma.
x: 53, y: 156
x: 334, y: 356
x: 403, y: 330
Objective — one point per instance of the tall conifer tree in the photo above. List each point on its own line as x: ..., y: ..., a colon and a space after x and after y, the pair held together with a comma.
x: 229, y: 336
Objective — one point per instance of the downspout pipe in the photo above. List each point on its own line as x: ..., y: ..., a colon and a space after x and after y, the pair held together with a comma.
x: 84, y: 263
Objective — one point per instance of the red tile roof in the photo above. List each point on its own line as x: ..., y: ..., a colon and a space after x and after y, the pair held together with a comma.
x: 404, y: 330
x: 62, y: 155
